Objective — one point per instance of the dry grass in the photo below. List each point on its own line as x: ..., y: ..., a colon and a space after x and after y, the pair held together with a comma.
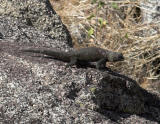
x: 125, y: 31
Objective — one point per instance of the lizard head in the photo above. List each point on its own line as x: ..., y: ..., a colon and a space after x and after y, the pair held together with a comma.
x: 115, y: 56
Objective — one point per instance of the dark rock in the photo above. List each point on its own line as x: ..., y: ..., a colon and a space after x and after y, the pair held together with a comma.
x: 32, y: 15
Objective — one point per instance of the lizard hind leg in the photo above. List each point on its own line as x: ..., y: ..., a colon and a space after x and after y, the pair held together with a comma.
x: 72, y: 62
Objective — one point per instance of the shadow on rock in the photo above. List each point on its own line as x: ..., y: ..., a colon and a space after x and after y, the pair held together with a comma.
x: 123, y: 95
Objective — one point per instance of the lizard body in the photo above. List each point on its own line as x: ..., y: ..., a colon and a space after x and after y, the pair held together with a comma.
x: 90, y: 54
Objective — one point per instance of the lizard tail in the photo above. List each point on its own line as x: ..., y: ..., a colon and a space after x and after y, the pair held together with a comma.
x: 56, y: 54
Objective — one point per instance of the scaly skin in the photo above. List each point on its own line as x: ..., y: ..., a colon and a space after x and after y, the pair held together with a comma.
x: 90, y: 54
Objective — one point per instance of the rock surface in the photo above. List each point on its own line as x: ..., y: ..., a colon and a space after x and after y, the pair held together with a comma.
x: 35, y: 89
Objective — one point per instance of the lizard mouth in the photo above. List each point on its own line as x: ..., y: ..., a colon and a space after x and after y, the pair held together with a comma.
x: 121, y: 58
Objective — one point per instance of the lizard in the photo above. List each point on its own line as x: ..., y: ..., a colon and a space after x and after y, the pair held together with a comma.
x: 89, y: 54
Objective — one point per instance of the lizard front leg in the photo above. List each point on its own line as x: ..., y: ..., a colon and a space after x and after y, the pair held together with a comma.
x: 101, y: 63
x: 72, y: 62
